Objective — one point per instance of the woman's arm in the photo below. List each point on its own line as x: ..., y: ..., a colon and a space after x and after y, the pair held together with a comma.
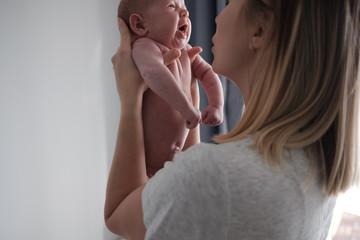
x: 123, y: 212
x: 123, y: 207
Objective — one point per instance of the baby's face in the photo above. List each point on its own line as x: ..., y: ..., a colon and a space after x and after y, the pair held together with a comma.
x: 167, y: 22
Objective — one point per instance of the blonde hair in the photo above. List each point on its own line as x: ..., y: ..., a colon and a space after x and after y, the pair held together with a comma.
x: 306, y: 92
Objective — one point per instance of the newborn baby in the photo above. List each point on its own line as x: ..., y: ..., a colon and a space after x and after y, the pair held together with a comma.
x: 158, y: 26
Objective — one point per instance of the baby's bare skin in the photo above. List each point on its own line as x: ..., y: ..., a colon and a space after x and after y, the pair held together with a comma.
x: 168, y: 108
x: 165, y: 130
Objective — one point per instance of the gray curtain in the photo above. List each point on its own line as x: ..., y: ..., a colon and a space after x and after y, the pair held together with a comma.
x: 202, y: 15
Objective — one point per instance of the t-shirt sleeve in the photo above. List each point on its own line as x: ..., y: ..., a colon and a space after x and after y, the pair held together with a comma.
x: 187, y: 199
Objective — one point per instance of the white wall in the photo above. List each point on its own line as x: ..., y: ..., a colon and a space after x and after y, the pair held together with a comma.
x: 58, y: 117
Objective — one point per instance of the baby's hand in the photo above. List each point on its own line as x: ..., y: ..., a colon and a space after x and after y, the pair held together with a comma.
x: 192, y: 117
x: 212, y: 116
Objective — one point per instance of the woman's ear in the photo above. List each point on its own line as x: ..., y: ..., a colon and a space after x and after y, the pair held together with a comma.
x: 257, y: 38
x: 136, y: 22
x: 259, y: 31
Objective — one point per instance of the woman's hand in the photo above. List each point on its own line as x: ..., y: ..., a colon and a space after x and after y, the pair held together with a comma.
x: 129, y: 83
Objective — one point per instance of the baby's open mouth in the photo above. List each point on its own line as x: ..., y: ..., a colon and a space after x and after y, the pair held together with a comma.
x: 183, y: 28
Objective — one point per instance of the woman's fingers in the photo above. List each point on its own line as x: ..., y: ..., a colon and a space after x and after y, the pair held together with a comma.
x: 128, y: 79
x: 125, y: 37
x: 125, y: 42
x: 171, y: 56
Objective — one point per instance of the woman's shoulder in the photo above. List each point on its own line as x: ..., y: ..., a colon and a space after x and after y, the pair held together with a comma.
x: 222, y: 155
x: 239, y: 166
x: 227, y: 150
x: 243, y: 154
x: 226, y: 163
x: 189, y: 197
x: 235, y: 165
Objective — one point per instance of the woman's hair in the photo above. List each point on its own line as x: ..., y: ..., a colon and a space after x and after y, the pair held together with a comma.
x: 306, y: 91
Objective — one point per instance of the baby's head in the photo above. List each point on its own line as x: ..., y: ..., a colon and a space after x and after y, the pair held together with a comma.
x: 164, y: 21
x: 128, y: 7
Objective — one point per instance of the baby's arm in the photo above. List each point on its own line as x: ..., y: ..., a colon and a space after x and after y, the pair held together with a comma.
x: 150, y: 62
x: 213, y: 113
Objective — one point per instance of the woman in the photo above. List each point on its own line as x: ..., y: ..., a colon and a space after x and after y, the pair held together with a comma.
x: 276, y: 174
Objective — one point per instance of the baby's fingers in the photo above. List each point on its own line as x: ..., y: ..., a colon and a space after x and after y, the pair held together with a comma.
x: 204, y: 117
x: 193, y: 52
x: 208, y: 119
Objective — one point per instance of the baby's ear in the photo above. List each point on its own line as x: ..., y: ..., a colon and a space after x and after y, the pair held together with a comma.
x: 136, y: 22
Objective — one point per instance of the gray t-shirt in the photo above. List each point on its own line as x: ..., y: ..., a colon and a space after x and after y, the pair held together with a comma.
x: 227, y: 191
